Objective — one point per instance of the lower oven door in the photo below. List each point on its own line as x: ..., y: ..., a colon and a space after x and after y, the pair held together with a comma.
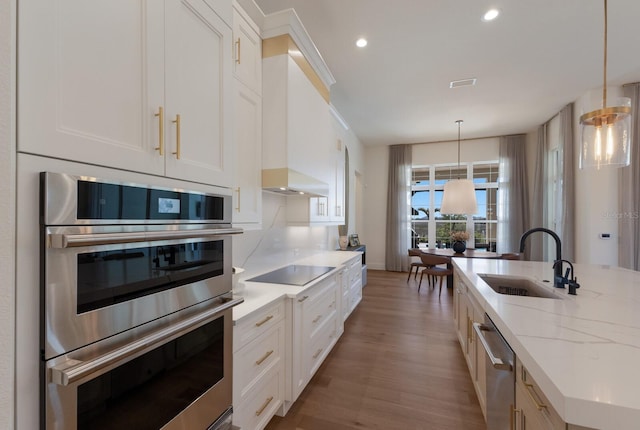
x: 175, y: 374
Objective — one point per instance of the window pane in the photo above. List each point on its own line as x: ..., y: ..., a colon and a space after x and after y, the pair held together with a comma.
x: 420, y: 205
x: 419, y: 234
x: 444, y: 229
x: 443, y: 174
x: 485, y: 173
x: 420, y: 176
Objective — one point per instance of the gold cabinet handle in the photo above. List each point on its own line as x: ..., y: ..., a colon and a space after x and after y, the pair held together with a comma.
x: 238, y: 51
x: 512, y: 417
x: 530, y: 390
x: 160, y: 116
x: 264, y: 357
x: 317, y: 353
x: 259, y: 323
x: 317, y: 319
x: 303, y: 299
x: 238, y: 206
x: 177, y: 123
x: 264, y: 406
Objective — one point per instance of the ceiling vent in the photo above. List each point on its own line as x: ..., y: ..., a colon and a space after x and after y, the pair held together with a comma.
x: 463, y: 83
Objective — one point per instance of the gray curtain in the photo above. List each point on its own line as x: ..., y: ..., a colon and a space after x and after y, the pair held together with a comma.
x: 398, y: 204
x: 629, y: 191
x: 568, y: 201
x: 534, y: 250
x: 513, y: 195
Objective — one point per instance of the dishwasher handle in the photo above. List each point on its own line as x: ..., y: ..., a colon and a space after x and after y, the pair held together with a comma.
x: 496, y: 362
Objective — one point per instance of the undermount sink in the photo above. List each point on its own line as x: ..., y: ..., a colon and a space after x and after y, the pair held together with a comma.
x: 514, y: 286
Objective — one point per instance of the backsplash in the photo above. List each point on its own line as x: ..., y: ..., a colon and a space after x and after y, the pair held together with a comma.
x: 277, y: 244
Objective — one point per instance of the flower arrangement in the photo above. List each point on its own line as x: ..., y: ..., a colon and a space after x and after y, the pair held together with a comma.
x: 459, y: 236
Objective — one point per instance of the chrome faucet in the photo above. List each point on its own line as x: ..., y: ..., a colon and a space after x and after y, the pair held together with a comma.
x: 557, y: 274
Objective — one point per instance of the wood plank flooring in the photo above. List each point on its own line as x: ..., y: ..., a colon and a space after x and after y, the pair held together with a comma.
x: 398, y: 365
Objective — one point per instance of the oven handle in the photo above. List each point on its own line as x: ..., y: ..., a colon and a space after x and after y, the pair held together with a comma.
x: 71, y: 371
x: 63, y: 240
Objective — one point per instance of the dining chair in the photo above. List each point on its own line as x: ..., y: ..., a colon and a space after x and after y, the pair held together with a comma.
x: 415, y: 252
x: 511, y: 256
x: 432, y: 269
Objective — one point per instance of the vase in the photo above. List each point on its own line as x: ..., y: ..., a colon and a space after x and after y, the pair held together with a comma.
x: 459, y: 247
x: 343, y: 241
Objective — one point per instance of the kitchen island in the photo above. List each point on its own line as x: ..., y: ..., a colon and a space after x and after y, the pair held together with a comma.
x: 583, y: 350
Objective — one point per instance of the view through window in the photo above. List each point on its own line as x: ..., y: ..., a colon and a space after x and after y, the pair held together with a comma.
x: 429, y: 226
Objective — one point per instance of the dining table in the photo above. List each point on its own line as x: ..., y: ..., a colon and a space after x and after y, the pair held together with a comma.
x: 468, y: 253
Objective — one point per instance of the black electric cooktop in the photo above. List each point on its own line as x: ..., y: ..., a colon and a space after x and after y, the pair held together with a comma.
x: 294, y: 274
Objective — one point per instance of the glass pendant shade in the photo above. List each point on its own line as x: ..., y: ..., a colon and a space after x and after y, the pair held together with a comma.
x: 606, y: 136
x: 459, y: 197
x: 606, y: 133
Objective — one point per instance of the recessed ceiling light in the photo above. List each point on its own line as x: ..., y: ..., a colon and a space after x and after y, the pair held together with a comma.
x: 490, y: 15
x: 361, y: 43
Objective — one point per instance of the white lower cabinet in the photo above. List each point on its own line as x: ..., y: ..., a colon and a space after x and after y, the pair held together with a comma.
x: 533, y: 411
x: 315, y: 330
x: 352, y: 286
x: 466, y: 312
x: 258, y: 367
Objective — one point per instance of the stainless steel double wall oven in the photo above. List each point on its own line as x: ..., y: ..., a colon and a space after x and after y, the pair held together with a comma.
x: 136, y: 306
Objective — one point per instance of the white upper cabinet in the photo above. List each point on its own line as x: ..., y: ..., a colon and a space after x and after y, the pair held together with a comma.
x: 93, y: 77
x: 247, y: 55
x: 247, y: 121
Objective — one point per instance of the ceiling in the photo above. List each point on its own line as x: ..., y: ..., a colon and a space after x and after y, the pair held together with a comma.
x: 535, y: 58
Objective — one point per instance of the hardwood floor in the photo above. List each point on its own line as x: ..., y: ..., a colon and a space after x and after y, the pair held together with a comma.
x: 398, y: 365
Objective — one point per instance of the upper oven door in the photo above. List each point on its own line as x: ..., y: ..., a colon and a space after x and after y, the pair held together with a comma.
x: 84, y: 200
x: 102, y: 280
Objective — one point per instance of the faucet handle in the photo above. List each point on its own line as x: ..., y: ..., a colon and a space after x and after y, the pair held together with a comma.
x: 573, y: 286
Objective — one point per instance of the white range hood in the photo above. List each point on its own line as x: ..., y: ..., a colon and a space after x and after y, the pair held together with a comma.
x: 292, y: 183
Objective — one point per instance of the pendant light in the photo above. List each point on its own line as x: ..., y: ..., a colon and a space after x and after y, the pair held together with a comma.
x: 459, y: 195
x: 606, y: 132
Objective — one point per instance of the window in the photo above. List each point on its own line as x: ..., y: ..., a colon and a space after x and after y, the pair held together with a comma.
x: 430, y: 226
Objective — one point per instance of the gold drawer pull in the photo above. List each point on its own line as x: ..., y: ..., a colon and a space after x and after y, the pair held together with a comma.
x: 317, y: 319
x: 303, y: 299
x: 264, y: 406
x: 238, y: 51
x: 264, y: 357
x: 238, y: 206
x: 160, y: 115
x: 177, y: 123
x: 317, y: 353
x: 264, y: 321
x: 531, y: 393
x: 512, y: 417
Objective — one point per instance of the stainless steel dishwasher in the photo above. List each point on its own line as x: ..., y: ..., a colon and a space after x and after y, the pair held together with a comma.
x: 500, y: 371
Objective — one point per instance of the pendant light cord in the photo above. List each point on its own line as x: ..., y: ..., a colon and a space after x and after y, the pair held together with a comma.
x: 459, y: 122
x: 604, y: 84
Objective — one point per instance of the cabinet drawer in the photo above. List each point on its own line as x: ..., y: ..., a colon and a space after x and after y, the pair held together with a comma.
x: 535, y: 398
x: 256, y: 359
x: 321, y: 345
x: 262, y: 404
x: 320, y: 311
x: 257, y: 323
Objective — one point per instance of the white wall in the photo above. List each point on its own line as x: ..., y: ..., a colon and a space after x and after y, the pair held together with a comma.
x: 376, y: 158
x: 447, y: 152
x: 7, y: 211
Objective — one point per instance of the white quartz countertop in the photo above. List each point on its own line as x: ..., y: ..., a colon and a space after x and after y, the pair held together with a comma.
x: 583, y: 350
x: 259, y: 294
